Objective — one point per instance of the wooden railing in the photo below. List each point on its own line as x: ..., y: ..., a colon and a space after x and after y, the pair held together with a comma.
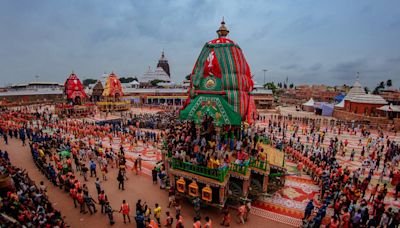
x: 239, y: 168
x: 262, y: 165
x: 218, y: 174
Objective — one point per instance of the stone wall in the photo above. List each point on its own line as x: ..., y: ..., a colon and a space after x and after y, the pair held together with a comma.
x: 373, y: 122
x: 32, y: 99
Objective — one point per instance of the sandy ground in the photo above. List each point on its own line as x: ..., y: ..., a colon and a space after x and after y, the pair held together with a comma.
x: 137, y: 187
x: 291, y: 110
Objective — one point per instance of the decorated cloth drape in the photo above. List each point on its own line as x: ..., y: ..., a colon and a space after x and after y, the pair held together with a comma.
x: 222, y: 69
x: 215, y: 106
x: 74, y: 88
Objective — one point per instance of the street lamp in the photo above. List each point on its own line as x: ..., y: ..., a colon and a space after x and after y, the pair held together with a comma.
x: 265, y: 70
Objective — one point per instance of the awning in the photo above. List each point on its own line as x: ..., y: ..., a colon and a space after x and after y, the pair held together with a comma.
x: 339, y: 97
x: 390, y: 108
x: 309, y: 102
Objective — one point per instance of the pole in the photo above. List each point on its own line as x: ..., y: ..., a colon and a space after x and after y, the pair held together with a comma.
x: 265, y: 70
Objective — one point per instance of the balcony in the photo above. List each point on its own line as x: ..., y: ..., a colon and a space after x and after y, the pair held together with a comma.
x: 216, y: 174
x: 262, y: 165
x: 239, y: 168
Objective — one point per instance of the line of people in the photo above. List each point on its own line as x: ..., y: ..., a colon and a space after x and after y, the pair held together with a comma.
x: 23, y: 203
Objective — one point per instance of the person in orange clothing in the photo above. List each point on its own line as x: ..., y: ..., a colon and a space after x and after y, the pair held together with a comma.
x: 135, y: 166
x: 102, y: 201
x: 299, y: 168
x: 125, y: 210
x: 169, y: 220
x: 73, y: 193
x: 150, y: 223
x: 226, y: 217
x: 179, y: 222
x: 334, y: 223
x: 346, y: 219
x: 208, y: 222
x: 81, y: 202
x: 241, y: 212
x: 196, y: 223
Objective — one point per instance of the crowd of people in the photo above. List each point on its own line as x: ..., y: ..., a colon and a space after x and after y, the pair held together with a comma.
x: 159, y: 120
x: 23, y: 203
x: 66, y: 149
x: 355, y: 196
x: 211, y: 147
x: 342, y: 188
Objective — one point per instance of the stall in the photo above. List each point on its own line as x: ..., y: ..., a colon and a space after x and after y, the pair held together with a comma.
x: 309, y: 105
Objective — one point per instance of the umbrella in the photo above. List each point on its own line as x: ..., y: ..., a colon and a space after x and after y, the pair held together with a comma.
x: 64, y: 153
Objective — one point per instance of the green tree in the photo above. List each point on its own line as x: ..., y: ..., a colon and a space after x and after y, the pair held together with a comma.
x: 271, y: 86
x: 389, y: 83
x: 127, y: 79
x: 379, y: 87
x: 187, y: 77
x: 88, y: 81
x: 156, y: 81
x: 291, y: 85
x: 366, y: 89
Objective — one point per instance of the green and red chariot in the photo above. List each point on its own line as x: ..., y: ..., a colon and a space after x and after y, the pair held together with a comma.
x: 220, y: 89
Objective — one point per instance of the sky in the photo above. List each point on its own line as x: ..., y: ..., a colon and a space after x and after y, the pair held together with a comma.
x: 306, y: 41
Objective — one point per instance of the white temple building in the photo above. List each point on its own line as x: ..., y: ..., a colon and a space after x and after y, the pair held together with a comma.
x: 355, y: 91
x: 158, y: 74
x: 161, y: 73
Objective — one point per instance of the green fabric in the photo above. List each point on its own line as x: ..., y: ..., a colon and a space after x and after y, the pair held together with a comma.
x: 216, y: 87
x: 64, y: 153
x: 199, y: 69
x: 234, y: 81
x: 229, y: 75
x: 212, y: 105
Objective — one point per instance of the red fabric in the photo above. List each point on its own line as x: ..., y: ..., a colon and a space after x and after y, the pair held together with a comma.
x: 252, y: 111
x: 211, y: 66
x: 74, y: 88
x: 221, y: 40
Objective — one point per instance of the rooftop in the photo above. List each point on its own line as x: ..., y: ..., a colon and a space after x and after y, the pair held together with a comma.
x: 261, y: 91
x: 158, y: 74
x: 42, y: 91
x: 390, y: 108
x: 356, y: 90
x: 155, y: 90
x: 35, y: 83
x: 368, y: 99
